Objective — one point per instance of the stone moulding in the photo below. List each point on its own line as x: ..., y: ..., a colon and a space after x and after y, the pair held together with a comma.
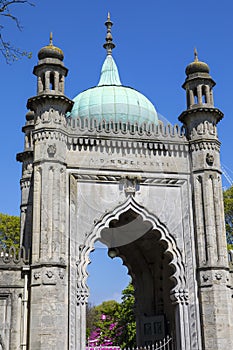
x: 200, y: 110
x: 33, y: 102
x: 156, y: 181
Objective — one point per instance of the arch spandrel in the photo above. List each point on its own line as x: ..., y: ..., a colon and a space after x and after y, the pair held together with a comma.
x: 97, y: 195
x: 179, y: 291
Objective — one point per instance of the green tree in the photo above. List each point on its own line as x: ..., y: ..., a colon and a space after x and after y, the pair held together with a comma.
x: 228, y: 207
x: 7, y: 49
x: 9, y: 231
x: 113, y: 323
x: 126, y: 318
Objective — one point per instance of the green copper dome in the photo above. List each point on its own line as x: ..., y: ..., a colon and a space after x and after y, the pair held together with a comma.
x: 110, y: 100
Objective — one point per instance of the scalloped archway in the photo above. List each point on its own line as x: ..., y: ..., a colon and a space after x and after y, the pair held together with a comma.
x: 165, y: 236
x: 178, y: 293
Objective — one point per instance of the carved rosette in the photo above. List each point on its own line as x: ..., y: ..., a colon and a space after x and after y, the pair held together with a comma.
x: 207, y: 278
x: 48, y: 275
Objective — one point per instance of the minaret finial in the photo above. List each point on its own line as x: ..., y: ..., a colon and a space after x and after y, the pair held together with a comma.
x: 195, y: 55
x: 109, y: 45
x: 51, y: 38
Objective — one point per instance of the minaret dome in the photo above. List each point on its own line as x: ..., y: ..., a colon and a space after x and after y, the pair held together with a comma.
x: 51, y: 51
x: 50, y: 70
x: 198, y: 84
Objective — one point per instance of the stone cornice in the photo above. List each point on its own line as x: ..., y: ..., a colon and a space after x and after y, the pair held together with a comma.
x: 166, y: 144
x: 208, y: 110
x: 33, y: 102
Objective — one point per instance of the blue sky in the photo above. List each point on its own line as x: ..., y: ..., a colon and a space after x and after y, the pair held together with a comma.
x: 154, y: 43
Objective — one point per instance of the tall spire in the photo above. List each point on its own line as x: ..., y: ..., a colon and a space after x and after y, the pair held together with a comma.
x: 195, y: 55
x: 109, y: 45
x: 51, y: 39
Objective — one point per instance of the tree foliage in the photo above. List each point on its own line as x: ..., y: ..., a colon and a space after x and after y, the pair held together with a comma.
x: 7, y: 49
x: 9, y: 231
x: 228, y: 207
x: 127, y: 321
x: 113, y: 323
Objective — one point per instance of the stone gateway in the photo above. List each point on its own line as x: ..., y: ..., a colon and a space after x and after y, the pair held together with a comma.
x: 104, y: 167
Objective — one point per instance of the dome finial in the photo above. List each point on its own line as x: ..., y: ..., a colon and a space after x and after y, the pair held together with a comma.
x: 109, y: 45
x: 195, y: 55
x: 51, y: 39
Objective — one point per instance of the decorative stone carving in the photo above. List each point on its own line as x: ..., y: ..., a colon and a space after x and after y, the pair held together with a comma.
x: 205, y: 277
x: 27, y: 168
x: 49, y: 274
x: 209, y: 159
x: 36, y: 275
x: 218, y: 276
x: 130, y: 184
x: 61, y: 274
x: 82, y: 296
x: 213, y: 146
x: 52, y: 150
x: 180, y: 296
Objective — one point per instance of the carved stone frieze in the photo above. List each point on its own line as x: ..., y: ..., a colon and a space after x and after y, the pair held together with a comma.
x: 208, y: 277
x: 48, y: 275
x: 205, y: 145
x: 159, y: 147
x: 49, y: 135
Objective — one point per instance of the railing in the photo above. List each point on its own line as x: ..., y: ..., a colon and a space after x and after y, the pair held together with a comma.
x: 164, y: 344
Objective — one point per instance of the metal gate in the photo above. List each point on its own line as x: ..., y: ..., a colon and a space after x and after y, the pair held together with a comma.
x: 164, y: 344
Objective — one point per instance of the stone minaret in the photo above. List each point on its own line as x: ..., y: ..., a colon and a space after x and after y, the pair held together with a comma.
x: 26, y: 183
x: 200, y: 121
x: 49, y: 278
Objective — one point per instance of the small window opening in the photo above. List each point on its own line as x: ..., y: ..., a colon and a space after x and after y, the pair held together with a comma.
x: 60, y: 83
x: 43, y: 81
x: 203, y: 94
x: 195, y: 96
x: 188, y: 98
x: 52, y: 84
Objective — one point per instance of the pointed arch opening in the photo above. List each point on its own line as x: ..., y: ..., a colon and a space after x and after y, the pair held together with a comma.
x: 153, y: 261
